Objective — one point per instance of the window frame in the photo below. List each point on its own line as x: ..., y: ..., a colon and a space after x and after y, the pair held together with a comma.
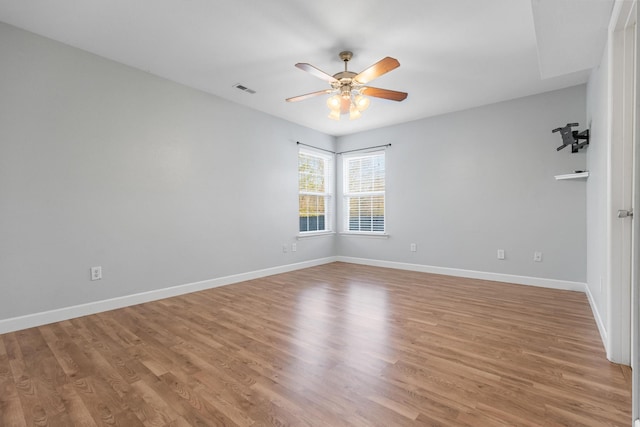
x: 347, y: 195
x: 328, y: 194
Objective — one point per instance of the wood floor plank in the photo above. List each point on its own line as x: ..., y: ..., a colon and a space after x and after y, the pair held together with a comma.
x: 78, y: 413
x: 333, y: 345
x: 150, y: 408
x: 195, y: 409
x: 11, y: 411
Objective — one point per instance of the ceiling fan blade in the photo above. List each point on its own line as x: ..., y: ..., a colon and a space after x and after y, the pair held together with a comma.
x: 316, y: 72
x: 383, y: 93
x: 308, y: 95
x: 376, y: 70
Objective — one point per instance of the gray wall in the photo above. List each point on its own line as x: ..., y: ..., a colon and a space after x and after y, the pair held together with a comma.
x: 465, y: 184
x: 161, y: 185
x: 597, y: 187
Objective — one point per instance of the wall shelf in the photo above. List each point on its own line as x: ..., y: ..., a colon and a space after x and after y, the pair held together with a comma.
x: 580, y: 175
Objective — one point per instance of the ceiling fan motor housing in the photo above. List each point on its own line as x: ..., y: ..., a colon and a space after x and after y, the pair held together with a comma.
x: 345, y: 78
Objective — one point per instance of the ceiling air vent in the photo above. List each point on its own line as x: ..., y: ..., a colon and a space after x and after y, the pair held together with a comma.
x: 244, y: 88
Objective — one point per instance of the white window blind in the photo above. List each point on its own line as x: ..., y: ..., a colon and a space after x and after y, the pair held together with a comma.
x: 364, y: 192
x: 315, y: 185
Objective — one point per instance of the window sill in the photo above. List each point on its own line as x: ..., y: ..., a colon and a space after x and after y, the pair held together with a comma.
x: 365, y: 234
x: 315, y: 234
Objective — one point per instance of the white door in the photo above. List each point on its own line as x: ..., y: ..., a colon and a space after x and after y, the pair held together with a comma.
x: 635, y: 250
x: 624, y: 173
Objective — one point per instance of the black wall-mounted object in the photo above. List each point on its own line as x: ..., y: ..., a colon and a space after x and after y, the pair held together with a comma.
x: 575, y: 139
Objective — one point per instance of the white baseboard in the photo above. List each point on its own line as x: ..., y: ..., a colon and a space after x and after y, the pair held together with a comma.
x: 596, y: 315
x: 58, y: 315
x: 43, y: 318
x: 472, y: 274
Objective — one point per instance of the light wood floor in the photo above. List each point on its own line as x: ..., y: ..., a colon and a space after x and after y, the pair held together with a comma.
x: 335, y: 345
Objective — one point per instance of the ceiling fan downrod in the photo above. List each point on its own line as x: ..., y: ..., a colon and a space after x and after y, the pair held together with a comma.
x: 346, y: 56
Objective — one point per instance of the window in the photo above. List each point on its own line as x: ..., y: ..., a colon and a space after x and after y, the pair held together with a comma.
x: 364, y: 189
x: 315, y: 188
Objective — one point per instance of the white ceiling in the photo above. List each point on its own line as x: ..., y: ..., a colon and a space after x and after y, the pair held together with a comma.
x: 454, y: 54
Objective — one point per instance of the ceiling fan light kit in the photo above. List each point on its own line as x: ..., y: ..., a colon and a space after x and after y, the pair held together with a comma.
x: 348, y: 89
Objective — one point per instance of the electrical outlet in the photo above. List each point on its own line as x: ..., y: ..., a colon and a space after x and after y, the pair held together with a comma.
x: 294, y: 247
x: 413, y: 247
x: 500, y: 253
x: 96, y: 273
x: 285, y: 248
x: 537, y: 256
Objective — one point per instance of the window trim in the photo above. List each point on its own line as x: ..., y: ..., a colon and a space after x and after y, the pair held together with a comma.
x: 346, y: 195
x: 329, y: 194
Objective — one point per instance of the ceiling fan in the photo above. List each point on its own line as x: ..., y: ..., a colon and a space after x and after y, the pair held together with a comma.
x: 348, y: 88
